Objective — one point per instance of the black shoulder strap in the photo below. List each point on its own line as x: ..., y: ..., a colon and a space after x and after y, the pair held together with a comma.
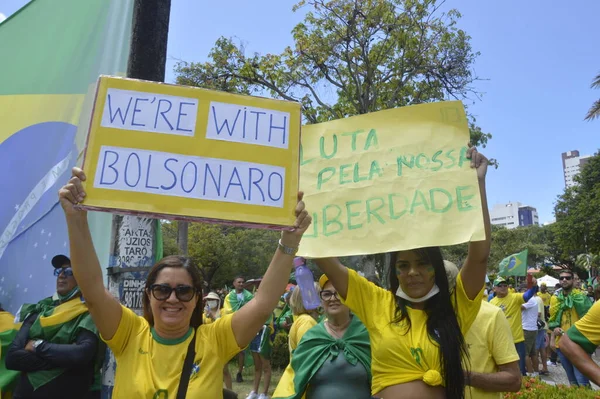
x: 187, y: 368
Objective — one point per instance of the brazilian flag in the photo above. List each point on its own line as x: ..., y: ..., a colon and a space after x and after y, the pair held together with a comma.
x: 514, y: 265
x: 8, y: 331
x: 52, y: 54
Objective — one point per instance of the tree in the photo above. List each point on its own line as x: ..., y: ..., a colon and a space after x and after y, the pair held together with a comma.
x: 594, y: 111
x: 222, y: 252
x: 373, y: 54
x: 577, y: 227
x: 506, y: 242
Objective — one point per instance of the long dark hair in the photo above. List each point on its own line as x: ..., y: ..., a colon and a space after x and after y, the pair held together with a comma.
x: 176, y: 262
x: 442, y: 323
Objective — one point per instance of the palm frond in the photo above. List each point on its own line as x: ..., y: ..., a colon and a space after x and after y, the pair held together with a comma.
x: 594, y: 112
x: 596, y: 82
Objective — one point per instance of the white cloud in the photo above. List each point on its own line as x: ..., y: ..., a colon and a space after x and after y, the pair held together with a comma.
x: 2, y: 17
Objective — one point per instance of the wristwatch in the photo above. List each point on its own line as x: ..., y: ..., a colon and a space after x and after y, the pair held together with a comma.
x: 37, y: 343
x: 287, y: 250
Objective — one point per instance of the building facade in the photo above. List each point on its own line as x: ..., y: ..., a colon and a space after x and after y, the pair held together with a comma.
x: 514, y: 214
x: 572, y: 163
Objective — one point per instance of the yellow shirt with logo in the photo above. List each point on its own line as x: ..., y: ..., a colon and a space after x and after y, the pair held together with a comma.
x: 399, y: 356
x: 490, y: 344
x: 545, y: 297
x: 302, y: 324
x: 511, y: 306
x: 586, y: 331
x: 150, y: 367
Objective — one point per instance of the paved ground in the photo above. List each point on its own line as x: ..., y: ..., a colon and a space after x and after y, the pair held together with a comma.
x: 559, y: 376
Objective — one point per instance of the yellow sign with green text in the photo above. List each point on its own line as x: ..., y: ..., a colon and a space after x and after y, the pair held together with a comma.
x: 188, y: 153
x: 390, y: 180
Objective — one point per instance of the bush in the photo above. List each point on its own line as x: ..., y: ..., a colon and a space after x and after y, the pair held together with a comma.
x: 280, y: 357
x: 533, y: 388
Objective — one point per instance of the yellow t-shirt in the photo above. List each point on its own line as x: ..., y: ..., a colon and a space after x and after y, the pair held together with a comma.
x: 490, y: 345
x: 301, y: 325
x: 545, y: 297
x: 399, y: 356
x: 150, y: 367
x: 586, y: 331
x: 569, y: 317
x: 511, y: 306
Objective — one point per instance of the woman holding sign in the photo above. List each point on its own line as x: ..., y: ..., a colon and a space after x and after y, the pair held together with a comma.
x: 417, y: 328
x: 169, y: 349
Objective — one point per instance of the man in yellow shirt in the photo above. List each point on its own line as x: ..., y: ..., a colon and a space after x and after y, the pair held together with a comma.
x: 581, y: 340
x: 566, y: 308
x: 494, y: 359
x: 545, y: 295
x: 510, y: 303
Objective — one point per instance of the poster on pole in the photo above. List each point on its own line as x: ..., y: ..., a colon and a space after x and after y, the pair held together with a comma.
x: 390, y: 180
x: 187, y: 153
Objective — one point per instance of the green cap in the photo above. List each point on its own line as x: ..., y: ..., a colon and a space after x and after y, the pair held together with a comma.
x: 498, y: 281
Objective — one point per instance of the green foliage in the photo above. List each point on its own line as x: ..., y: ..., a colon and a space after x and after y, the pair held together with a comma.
x: 577, y: 227
x: 352, y: 57
x: 533, y: 388
x: 509, y: 241
x: 222, y: 252
x: 588, y: 261
x: 280, y: 357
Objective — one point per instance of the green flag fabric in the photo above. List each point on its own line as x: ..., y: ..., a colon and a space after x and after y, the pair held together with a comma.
x: 315, y: 348
x: 514, y: 265
x: 59, y: 323
x: 8, y: 331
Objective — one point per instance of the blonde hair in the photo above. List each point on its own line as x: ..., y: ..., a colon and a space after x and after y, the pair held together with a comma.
x: 296, y: 301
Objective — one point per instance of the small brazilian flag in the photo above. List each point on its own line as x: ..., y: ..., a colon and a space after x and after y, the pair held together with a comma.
x: 514, y: 265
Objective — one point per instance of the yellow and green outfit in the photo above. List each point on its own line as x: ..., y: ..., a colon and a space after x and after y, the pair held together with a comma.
x: 586, y: 331
x: 321, y: 365
x: 149, y: 366
x: 233, y: 303
x: 400, y: 354
x: 58, y: 323
x: 8, y: 331
x: 566, y: 310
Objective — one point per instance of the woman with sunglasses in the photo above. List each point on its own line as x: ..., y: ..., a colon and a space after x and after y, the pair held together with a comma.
x: 417, y: 327
x: 150, y: 350
x: 333, y: 359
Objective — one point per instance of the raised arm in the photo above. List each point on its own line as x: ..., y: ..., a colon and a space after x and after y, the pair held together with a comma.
x: 336, y: 272
x: 247, y: 321
x: 474, y: 270
x: 104, y: 308
x: 580, y: 359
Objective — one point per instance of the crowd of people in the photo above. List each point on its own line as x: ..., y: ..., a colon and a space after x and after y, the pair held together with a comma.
x: 435, y: 333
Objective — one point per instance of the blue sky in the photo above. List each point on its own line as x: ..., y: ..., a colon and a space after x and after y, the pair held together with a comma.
x: 539, y: 61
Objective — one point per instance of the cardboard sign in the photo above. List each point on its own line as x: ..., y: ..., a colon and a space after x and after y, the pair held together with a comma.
x: 390, y: 180
x: 187, y: 153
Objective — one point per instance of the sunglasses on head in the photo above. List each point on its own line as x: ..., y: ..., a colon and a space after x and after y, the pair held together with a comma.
x: 328, y: 295
x: 502, y: 285
x: 568, y: 278
x: 162, y: 292
x: 67, y: 271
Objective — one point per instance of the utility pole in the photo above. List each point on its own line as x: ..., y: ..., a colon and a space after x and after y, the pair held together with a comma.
x: 134, y: 246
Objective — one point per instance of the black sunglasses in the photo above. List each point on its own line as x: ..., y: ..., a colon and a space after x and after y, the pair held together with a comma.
x: 162, y: 292
x: 568, y: 278
x: 67, y: 271
x: 328, y: 295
